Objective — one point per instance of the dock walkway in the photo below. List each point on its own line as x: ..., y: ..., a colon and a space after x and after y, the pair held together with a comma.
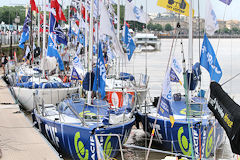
x: 18, y: 139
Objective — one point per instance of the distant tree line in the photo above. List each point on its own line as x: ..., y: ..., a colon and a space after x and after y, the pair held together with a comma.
x: 159, y: 27
x: 9, y: 13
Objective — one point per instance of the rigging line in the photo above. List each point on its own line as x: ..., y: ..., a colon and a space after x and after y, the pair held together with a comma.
x: 159, y: 102
x: 230, y: 79
x: 217, y: 46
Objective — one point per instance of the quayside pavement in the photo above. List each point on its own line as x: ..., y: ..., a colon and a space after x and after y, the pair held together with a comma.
x: 18, y: 139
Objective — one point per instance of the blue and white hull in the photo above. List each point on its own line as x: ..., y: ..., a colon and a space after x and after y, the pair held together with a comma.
x: 77, y: 141
x: 207, y: 134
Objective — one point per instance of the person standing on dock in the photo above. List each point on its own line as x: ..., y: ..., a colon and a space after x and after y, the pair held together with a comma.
x: 4, y: 61
x: 66, y: 59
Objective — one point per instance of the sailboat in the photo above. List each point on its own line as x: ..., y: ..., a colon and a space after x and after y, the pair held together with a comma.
x: 76, y: 124
x: 183, y: 124
x: 32, y: 81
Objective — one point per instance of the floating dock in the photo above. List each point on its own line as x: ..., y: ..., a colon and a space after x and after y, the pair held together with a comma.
x: 18, y: 139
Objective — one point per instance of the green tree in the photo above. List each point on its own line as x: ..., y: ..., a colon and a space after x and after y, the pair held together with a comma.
x: 226, y: 30
x: 158, y: 27
x: 9, y: 13
x: 235, y: 30
x: 150, y: 26
x: 168, y: 27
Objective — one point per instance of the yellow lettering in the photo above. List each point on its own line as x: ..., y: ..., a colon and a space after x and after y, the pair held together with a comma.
x: 228, y: 121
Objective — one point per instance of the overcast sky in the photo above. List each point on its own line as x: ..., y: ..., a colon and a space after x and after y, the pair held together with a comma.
x: 232, y: 11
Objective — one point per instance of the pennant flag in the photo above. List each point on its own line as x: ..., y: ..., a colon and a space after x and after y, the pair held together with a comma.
x: 110, y: 53
x: 174, y: 77
x: 226, y: 1
x: 26, y: 53
x: 25, y: 33
x: 56, y: 28
x: 76, y: 63
x: 133, y: 13
x: 100, y: 74
x: 41, y: 24
x: 57, y: 11
x: 165, y: 109
x: 209, y: 61
x: 81, y: 38
x: 130, y: 46
x: 211, y: 24
x: 70, y: 32
x: 75, y: 75
x: 106, y: 28
x: 175, y: 68
x: 52, y: 50
x: 80, y: 46
x: 177, y: 6
x: 33, y: 6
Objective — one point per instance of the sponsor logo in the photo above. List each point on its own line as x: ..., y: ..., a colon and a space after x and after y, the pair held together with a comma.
x: 183, y: 142
x: 82, y: 153
x: 51, y: 134
x: 107, y: 148
x: 209, y: 144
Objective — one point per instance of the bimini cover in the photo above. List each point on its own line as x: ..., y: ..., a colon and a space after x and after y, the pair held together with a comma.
x: 194, y: 77
x: 126, y: 76
x: 227, y: 113
x: 32, y: 85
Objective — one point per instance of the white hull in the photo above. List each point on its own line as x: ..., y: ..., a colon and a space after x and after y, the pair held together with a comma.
x: 50, y: 96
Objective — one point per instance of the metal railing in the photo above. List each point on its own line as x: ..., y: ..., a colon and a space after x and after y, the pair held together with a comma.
x: 5, y: 39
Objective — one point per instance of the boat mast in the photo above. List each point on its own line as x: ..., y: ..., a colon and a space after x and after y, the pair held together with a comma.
x: 118, y: 19
x: 186, y: 85
x: 44, y: 34
x: 86, y: 35
x: 38, y: 26
x: 90, y: 50
x: 118, y: 37
x: 31, y: 36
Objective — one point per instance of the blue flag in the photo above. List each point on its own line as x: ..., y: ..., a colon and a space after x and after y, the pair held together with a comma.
x: 173, y: 76
x: 70, y: 32
x: 25, y: 33
x: 209, y: 61
x: 56, y: 28
x: 52, y: 50
x: 165, y: 109
x: 81, y: 38
x: 100, y: 74
x: 226, y: 1
x: 130, y: 46
x: 75, y: 75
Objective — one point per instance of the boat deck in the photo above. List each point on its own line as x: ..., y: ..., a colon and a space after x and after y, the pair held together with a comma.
x: 18, y: 139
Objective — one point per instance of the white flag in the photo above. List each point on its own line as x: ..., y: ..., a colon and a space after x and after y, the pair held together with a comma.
x: 26, y: 52
x: 211, y: 24
x: 75, y: 27
x: 133, y: 13
x: 106, y: 28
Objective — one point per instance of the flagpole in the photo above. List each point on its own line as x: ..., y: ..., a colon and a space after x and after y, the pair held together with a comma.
x: 186, y: 85
x: 90, y: 50
x: 69, y: 21
x: 86, y: 37
x: 118, y: 18
x: 44, y: 31
x: 38, y: 26
x: 31, y: 32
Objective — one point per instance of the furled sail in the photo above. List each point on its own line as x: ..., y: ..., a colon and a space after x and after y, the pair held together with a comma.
x: 227, y: 112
